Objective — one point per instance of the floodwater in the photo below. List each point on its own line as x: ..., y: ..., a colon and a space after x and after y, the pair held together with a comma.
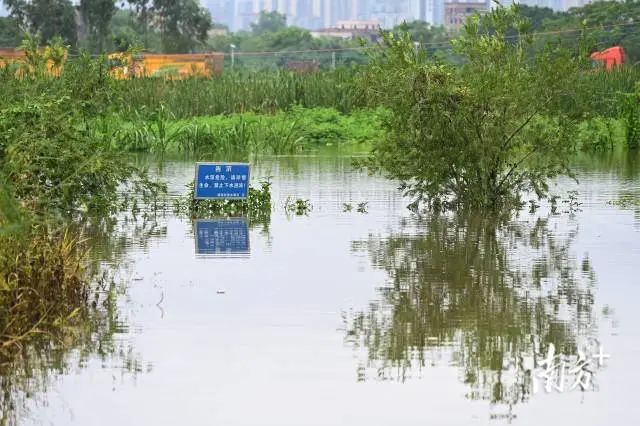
x: 372, y: 317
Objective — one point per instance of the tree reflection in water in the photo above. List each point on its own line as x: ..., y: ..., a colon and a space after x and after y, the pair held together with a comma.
x: 467, y: 292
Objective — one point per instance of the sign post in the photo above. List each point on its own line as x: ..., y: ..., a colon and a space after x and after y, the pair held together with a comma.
x: 221, y: 181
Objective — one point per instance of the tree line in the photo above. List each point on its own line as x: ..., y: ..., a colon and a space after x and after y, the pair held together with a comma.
x: 104, y: 25
x: 184, y: 26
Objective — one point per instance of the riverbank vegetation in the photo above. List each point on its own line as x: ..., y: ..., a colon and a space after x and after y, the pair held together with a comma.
x: 55, y: 173
x: 235, y: 136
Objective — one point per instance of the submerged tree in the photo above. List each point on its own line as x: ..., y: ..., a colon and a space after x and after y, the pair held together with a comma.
x: 479, y: 134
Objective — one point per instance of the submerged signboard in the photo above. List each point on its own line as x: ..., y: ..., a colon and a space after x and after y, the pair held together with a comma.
x: 222, y: 236
x: 221, y: 181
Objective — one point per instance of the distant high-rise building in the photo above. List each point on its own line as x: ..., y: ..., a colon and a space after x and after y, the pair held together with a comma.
x: 438, y: 12
x: 315, y: 14
x: 306, y: 14
x: 456, y: 12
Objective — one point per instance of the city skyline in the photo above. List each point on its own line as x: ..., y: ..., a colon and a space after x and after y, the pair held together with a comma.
x: 315, y: 14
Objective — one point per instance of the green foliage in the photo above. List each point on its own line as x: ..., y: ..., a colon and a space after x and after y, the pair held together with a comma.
x: 10, y: 33
x: 54, y: 160
x: 155, y: 134
x: 598, y: 134
x: 11, y: 216
x: 239, y: 92
x: 54, y: 165
x: 182, y: 24
x: 239, y: 135
x: 56, y: 170
x: 597, y: 92
x: 629, y: 104
x: 269, y: 22
x: 97, y: 15
x: 299, y: 206
x: 46, y: 18
x: 614, y: 23
x: 42, y: 283
x: 327, y: 126
x: 478, y: 135
x: 609, y: 23
x: 538, y: 16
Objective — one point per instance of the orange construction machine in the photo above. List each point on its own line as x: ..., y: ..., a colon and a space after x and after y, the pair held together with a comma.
x: 612, y: 57
x: 178, y: 66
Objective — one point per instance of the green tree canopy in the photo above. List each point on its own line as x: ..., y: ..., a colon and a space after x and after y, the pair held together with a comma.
x: 10, y: 33
x: 423, y: 32
x: 183, y: 25
x: 97, y: 15
x: 269, y: 22
x: 48, y: 18
x: 477, y: 135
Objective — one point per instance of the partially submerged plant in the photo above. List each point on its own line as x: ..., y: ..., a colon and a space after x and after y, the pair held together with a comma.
x: 257, y: 206
x: 475, y: 135
x: 44, y: 282
x: 363, y: 207
x: 299, y: 206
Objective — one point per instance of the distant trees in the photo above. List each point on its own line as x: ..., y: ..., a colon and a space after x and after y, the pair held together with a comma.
x: 424, y: 32
x: 539, y: 16
x: 48, y: 18
x: 608, y: 23
x: 269, y: 22
x: 97, y: 15
x: 183, y: 24
x: 10, y: 32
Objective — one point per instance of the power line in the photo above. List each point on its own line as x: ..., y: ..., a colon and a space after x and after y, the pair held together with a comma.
x: 429, y: 44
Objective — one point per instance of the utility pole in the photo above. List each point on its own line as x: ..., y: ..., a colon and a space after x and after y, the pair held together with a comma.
x: 233, y: 56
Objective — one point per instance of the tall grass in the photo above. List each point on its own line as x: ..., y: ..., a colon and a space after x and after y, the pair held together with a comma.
x: 597, y: 92
x: 240, y: 92
x: 238, y: 135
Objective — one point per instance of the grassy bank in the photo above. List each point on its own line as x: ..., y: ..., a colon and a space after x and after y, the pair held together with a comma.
x: 238, y: 135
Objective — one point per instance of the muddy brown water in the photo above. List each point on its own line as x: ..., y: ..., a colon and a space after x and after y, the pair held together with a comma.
x: 378, y: 317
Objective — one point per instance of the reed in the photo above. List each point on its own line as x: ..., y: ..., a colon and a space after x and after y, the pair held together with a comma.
x: 43, y: 284
x: 240, y: 92
x: 235, y: 136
